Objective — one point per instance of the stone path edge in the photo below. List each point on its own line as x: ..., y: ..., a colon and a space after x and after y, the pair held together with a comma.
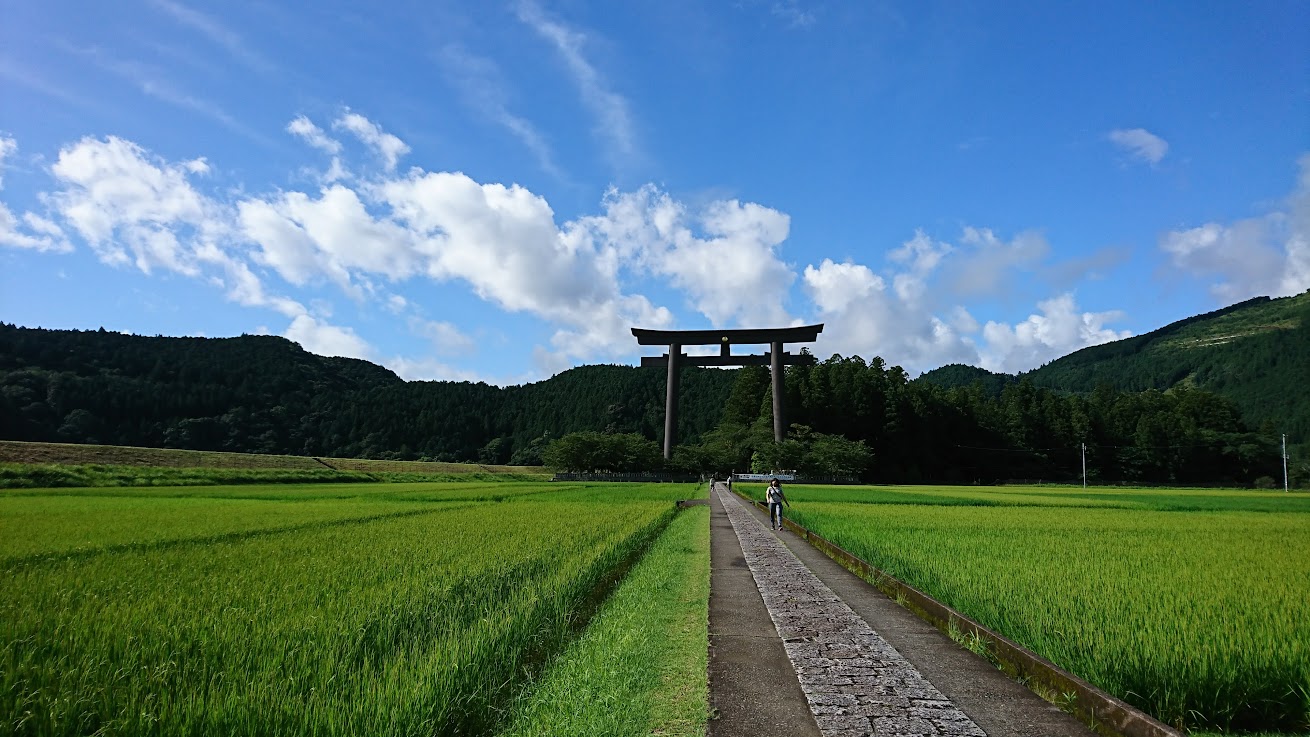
x: 1104, y: 713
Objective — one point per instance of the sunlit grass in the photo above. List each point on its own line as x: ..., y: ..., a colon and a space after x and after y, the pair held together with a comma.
x: 640, y: 668
x: 1201, y: 618
x: 430, y: 622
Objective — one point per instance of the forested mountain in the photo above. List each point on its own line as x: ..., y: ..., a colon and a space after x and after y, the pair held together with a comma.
x: 921, y: 432
x: 1256, y: 353
x: 265, y: 394
x: 1201, y: 401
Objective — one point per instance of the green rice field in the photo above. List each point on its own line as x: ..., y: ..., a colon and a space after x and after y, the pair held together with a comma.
x: 380, y: 609
x: 1192, y: 605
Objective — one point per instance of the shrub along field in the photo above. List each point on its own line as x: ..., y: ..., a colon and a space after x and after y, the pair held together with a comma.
x: 355, y: 609
x: 1192, y: 605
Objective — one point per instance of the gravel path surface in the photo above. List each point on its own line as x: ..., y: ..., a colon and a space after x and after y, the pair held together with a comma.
x: 855, y: 682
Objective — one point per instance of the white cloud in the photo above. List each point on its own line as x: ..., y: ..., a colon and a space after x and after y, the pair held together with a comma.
x: 503, y: 242
x: 7, y: 148
x: 614, y: 122
x: 303, y: 128
x: 835, y: 287
x: 284, y: 245
x: 388, y: 147
x: 1059, y: 330
x: 863, y: 318
x: 988, y: 264
x: 135, y: 208
x: 919, y: 321
x: 1263, y: 256
x: 328, y: 340
x: 733, y: 274
x: 921, y: 256
x: 31, y: 232
x: 725, y: 258
x: 447, y: 340
x: 241, y: 284
x: 131, y: 207
x: 333, y: 235
x: 1140, y: 144
x: 430, y: 369
x: 606, y: 332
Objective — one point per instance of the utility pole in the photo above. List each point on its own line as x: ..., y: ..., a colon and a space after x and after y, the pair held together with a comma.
x: 1084, y: 466
x: 1284, y: 463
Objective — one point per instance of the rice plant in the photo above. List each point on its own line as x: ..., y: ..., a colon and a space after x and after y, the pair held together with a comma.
x: 1201, y: 618
x: 381, y: 615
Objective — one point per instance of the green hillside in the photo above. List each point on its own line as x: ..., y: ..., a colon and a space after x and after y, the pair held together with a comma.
x: 1256, y: 353
x: 265, y: 394
x: 1199, y: 401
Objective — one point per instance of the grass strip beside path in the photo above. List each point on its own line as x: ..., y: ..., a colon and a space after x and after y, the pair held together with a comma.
x: 640, y: 668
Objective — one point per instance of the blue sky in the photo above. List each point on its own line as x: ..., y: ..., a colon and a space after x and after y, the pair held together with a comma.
x: 498, y: 191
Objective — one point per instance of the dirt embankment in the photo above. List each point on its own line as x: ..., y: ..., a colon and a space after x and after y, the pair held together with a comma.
x: 116, y: 455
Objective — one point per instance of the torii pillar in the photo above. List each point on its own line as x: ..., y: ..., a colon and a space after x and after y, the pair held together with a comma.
x: 675, y: 359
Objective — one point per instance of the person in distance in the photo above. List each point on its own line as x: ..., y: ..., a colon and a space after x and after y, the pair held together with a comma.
x: 774, y: 496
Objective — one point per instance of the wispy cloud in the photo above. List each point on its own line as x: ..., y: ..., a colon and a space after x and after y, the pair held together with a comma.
x: 217, y: 33
x: 614, y: 121
x: 33, y: 80
x: 482, y: 88
x: 793, y: 13
x: 1140, y: 144
x: 153, y: 84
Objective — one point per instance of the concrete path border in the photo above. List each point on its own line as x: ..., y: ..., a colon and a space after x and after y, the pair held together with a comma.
x: 857, y: 684
x: 1099, y: 710
x: 753, y: 688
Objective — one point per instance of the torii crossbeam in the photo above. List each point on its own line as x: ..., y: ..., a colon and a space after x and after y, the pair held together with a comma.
x: 675, y: 359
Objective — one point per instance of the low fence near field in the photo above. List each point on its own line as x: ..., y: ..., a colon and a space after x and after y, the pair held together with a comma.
x: 691, y: 478
x: 794, y: 478
x: 643, y: 478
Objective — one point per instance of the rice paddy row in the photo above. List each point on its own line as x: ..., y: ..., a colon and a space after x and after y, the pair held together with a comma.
x: 421, y: 610
x: 1194, y: 606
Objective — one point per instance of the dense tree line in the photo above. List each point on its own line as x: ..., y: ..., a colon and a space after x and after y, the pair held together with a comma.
x: 918, y: 431
x: 264, y: 394
x: 856, y: 419
x: 848, y: 417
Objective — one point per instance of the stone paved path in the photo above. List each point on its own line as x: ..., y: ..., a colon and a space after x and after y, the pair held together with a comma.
x: 855, y: 682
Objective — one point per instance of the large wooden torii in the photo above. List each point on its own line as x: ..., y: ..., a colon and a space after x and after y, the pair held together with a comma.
x: 675, y: 359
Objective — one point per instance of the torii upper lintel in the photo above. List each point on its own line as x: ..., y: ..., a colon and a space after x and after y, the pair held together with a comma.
x: 776, y: 358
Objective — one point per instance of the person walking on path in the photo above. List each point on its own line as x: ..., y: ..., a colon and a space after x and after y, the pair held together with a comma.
x: 774, y: 496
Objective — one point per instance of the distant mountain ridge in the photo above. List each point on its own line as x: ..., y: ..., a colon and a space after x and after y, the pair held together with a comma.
x: 265, y: 394
x: 1256, y: 353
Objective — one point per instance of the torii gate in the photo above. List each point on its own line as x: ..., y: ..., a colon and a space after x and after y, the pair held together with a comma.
x: 675, y: 359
